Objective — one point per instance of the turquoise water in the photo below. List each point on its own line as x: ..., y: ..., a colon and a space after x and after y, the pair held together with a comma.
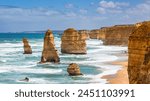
x: 14, y: 65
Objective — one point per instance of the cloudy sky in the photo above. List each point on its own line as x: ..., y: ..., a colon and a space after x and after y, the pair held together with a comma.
x: 36, y: 15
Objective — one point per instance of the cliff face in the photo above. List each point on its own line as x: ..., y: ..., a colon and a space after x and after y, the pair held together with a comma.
x: 94, y: 34
x: 116, y: 35
x: 72, y: 42
x: 84, y: 34
x: 27, y: 47
x: 139, y: 55
x: 49, y: 53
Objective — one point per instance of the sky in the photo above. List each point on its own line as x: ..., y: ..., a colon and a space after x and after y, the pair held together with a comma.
x: 40, y: 15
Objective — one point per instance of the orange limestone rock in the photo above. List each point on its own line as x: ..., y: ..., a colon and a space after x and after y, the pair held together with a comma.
x: 139, y: 55
x: 49, y: 53
x: 116, y: 35
x: 84, y: 34
x: 27, y: 47
x: 74, y: 70
x: 72, y: 42
x: 94, y: 34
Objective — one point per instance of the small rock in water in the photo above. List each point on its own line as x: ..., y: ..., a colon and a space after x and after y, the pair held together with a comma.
x: 26, y: 79
x: 27, y: 47
x: 74, y: 70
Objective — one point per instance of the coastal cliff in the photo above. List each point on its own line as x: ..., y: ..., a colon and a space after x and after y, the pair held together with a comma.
x: 94, y: 34
x: 27, y: 47
x: 49, y: 53
x: 72, y: 42
x: 116, y: 35
x: 139, y: 54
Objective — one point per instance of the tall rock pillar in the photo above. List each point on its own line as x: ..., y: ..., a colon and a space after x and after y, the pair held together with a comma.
x: 49, y: 53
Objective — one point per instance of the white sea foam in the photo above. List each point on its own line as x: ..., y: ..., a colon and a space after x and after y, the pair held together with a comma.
x: 9, y: 45
x: 96, y: 55
x: 3, y: 61
x: 94, y: 42
x: 39, y: 71
x: 25, y: 69
x: 3, y: 71
x: 37, y: 81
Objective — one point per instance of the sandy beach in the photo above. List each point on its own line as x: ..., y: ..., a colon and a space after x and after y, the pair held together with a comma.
x: 121, y: 77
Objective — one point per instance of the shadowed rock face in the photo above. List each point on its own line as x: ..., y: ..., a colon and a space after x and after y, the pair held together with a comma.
x: 49, y: 53
x: 74, y: 70
x: 116, y: 35
x: 72, y: 42
x: 94, y: 34
x: 27, y: 47
x: 139, y: 54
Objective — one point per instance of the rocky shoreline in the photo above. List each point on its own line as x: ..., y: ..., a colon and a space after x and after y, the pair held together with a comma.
x: 135, y: 36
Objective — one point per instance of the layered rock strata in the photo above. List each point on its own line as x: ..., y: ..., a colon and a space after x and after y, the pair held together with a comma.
x: 139, y: 54
x: 84, y: 34
x: 74, y: 70
x: 72, y: 42
x: 94, y: 34
x: 116, y: 35
x: 49, y: 53
x: 27, y: 47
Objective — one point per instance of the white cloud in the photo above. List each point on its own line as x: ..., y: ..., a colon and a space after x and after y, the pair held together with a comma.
x: 125, y: 4
x: 71, y: 14
x: 106, y: 4
x: 69, y: 6
x: 111, y: 7
x: 140, y: 9
x: 101, y: 10
x: 111, y: 4
x: 115, y: 11
x: 16, y: 11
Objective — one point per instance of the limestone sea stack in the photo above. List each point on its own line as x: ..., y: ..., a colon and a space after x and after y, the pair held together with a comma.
x: 27, y: 47
x: 94, y: 34
x: 74, y: 70
x: 49, y: 53
x: 139, y: 55
x: 72, y: 42
x: 84, y: 34
x: 116, y: 35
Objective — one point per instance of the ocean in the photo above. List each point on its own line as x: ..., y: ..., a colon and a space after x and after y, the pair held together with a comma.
x: 14, y: 65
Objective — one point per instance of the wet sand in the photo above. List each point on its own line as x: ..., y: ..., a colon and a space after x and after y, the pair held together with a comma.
x: 121, y: 77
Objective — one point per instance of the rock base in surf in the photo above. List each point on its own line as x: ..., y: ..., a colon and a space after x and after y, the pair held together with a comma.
x: 74, y: 70
x: 27, y: 47
x: 49, y: 53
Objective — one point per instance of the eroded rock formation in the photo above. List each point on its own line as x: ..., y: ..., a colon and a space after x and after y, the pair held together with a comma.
x: 74, y: 70
x: 49, y: 53
x: 84, y: 34
x: 139, y: 55
x: 72, y: 42
x: 27, y: 47
x: 94, y: 34
x: 116, y: 35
